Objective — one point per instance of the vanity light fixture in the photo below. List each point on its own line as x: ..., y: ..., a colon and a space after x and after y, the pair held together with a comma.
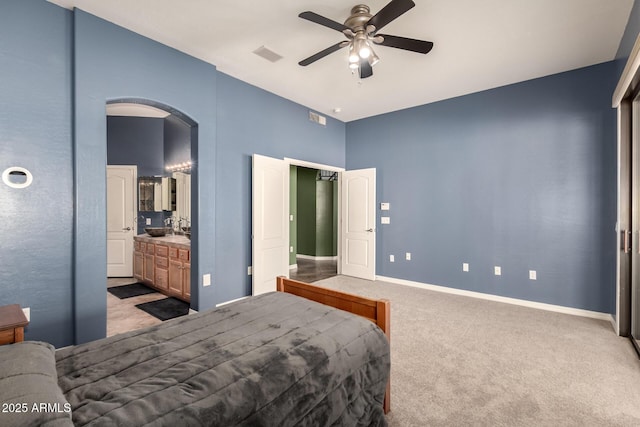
x: 180, y: 167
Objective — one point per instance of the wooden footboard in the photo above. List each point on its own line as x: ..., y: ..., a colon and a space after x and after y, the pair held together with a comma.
x: 378, y: 311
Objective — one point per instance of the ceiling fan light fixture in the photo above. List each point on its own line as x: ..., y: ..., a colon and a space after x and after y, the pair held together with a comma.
x: 361, y: 46
x: 353, y: 54
x: 373, y: 59
x: 365, y: 51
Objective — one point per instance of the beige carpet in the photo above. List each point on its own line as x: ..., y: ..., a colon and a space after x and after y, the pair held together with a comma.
x: 460, y: 361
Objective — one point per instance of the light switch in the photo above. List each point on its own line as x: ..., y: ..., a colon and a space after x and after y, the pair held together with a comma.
x: 206, y: 280
x: 385, y: 220
x: 465, y: 266
x: 384, y: 206
x: 497, y: 271
x: 148, y: 221
x: 290, y: 217
x: 392, y: 258
x: 533, y: 275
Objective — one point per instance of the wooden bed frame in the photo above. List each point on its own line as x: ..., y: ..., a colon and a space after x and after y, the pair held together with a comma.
x: 376, y: 310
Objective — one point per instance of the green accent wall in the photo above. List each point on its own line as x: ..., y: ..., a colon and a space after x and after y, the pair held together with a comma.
x: 316, y: 219
x: 306, y: 211
x: 324, y: 218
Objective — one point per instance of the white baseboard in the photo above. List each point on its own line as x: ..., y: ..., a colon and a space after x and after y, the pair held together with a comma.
x: 317, y: 258
x: 515, y: 301
x: 230, y: 301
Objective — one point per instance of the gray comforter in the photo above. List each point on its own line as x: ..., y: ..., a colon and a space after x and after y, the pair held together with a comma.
x: 270, y: 360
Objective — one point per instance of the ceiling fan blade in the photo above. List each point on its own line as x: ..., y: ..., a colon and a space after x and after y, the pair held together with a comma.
x: 413, y: 45
x: 390, y: 12
x: 365, y: 69
x: 323, y: 53
x: 318, y: 19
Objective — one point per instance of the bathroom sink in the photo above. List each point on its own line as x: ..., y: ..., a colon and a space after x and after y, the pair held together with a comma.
x: 157, y: 231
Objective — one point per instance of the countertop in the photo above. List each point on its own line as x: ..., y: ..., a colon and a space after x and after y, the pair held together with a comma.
x: 169, y: 240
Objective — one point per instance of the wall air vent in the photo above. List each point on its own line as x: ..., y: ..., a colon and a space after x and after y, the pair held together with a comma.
x: 315, y: 117
x: 267, y: 54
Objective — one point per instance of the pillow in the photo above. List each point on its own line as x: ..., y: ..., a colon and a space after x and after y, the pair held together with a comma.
x: 29, y: 392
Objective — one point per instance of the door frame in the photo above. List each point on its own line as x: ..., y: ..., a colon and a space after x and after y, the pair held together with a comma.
x: 625, y: 92
x: 134, y: 195
x: 339, y: 170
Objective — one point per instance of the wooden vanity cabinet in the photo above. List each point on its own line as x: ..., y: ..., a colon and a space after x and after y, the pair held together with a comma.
x: 149, y: 263
x: 138, y: 261
x: 180, y: 273
x: 163, y: 267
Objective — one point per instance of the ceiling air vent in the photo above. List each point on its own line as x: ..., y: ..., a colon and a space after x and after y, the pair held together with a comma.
x: 315, y: 117
x: 267, y: 54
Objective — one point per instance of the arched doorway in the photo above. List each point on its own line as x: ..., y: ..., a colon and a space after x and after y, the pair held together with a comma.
x: 151, y: 139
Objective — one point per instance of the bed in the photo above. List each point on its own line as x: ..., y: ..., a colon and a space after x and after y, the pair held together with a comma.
x: 297, y: 357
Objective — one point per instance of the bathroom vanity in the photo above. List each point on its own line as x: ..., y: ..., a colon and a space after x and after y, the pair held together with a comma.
x: 164, y: 263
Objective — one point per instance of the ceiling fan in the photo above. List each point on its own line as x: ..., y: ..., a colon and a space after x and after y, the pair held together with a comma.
x: 361, y: 29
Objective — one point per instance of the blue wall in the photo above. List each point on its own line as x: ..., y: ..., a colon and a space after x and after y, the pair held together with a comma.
x: 36, y: 223
x: 139, y: 141
x: 522, y: 177
x: 177, y: 141
x: 251, y: 120
x: 136, y: 141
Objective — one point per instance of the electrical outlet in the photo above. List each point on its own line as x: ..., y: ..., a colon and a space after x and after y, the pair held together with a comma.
x: 249, y: 271
x: 497, y: 270
x: 148, y: 221
x: 291, y: 249
x: 27, y: 313
x: 206, y: 279
x: 392, y: 258
x: 385, y: 220
x: 465, y: 266
x: 533, y: 275
x: 408, y: 256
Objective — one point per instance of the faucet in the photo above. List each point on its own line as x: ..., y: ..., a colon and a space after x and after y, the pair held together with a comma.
x: 168, y: 222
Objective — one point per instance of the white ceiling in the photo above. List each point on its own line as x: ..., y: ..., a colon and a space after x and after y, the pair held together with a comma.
x: 479, y: 44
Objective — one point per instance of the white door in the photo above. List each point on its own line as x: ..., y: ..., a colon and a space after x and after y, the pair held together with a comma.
x: 270, y: 222
x: 121, y: 224
x: 358, y: 233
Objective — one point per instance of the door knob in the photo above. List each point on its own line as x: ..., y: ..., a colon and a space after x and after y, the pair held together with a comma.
x: 127, y: 229
x: 370, y: 230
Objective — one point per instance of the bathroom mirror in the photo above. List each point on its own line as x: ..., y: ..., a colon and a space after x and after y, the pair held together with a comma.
x: 156, y: 194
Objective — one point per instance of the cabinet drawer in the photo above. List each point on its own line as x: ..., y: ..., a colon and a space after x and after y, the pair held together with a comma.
x: 162, y: 250
x: 183, y: 254
x: 162, y: 278
x: 162, y: 262
x: 143, y: 246
x: 151, y: 248
x: 173, y: 252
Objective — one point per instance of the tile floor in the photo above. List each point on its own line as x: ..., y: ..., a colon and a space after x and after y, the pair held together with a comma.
x: 122, y: 315
x: 310, y: 270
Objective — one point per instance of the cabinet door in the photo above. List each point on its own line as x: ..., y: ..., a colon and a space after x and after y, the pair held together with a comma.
x: 162, y: 278
x: 175, y: 277
x: 138, y: 265
x: 149, y: 268
x: 186, y: 281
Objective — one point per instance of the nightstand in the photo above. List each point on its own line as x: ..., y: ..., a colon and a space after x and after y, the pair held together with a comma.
x: 12, y: 323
